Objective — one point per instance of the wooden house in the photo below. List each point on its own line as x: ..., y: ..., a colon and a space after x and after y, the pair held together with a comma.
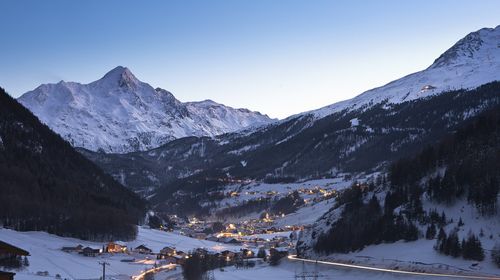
x: 167, y: 252
x: 7, y: 249
x: 76, y: 249
x: 229, y: 240
x: 116, y: 247
x: 90, y: 252
x: 142, y: 249
x: 228, y: 256
x: 10, y: 255
x: 201, y: 251
x: 170, y: 259
x: 247, y: 253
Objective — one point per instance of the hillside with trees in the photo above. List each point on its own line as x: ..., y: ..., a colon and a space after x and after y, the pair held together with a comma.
x: 298, y: 148
x: 463, y: 167
x: 46, y: 185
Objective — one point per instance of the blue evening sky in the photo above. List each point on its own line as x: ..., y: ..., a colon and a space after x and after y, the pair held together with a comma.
x: 279, y: 57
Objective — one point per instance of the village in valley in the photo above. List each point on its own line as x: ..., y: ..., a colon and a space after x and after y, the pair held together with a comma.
x: 235, y: 241
x: 244, y: 140
x: 164, y: 245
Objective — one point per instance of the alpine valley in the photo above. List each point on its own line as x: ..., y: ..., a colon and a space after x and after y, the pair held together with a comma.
x: 405, y: 176
x: 363, y: 134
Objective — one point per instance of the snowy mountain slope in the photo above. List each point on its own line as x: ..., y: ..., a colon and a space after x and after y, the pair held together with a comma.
x: 119, y: 114
x: 302, y: 148
x: 388, y: 212
x: 471, y: 62
x: 397, y: 123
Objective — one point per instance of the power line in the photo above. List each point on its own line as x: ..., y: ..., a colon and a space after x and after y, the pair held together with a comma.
x: 104, y: 264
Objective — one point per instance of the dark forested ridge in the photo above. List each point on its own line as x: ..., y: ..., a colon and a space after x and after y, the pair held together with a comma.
x: 46, y: 185
x: 462, y: 166
x: 470, y: 164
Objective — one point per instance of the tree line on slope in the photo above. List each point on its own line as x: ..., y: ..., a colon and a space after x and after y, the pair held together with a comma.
x: 363, y: 223
x: 465, y: 165
x: 470, y: 248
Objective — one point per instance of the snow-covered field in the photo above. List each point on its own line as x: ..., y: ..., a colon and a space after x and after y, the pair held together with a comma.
x: 288, y: 270
x: 416, y: 256
x: 420, y: 255
x: 46, y: 255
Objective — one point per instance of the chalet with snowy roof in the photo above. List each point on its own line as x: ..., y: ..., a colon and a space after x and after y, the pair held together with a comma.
x: 10, y: 256
x: 76, y: 249
x: 201, y: 251
x: 116, y: 247
x: 7, y: 249
x: 227, y: 255
x: 90, y: 252
x: 247, y: 253
x: 142, y: 249
x: 229, y: 240
x: 167, y: 252
x: 170, y: 260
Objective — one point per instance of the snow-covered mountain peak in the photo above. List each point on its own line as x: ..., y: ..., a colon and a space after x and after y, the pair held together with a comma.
x: 471, y: 62
x: 121, y: 76
x: 119, y: 73
x: 118, y: 113
x: 484, y: 42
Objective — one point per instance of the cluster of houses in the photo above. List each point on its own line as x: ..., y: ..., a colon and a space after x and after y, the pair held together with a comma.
x: 237, y: 257
x: 317, y: 190
x: 111, y: 247
x: 170, y: 255
x: 167, y: 254
x: 244, y: 232
x: 236, y: 233
x: 275, y: 242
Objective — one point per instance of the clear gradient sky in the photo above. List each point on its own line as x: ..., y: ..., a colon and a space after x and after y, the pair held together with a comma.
x: 279, y: 57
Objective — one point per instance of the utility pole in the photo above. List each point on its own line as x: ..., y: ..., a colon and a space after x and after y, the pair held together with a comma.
x: 104, y: 264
